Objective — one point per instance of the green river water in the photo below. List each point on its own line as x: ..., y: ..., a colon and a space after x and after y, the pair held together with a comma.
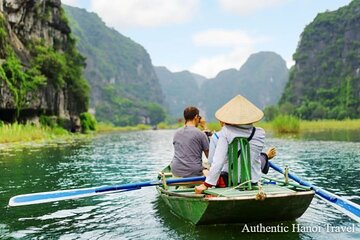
x: 329, y: 160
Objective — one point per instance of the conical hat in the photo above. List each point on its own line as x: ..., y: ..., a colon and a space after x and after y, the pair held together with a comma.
x: 239, y: 110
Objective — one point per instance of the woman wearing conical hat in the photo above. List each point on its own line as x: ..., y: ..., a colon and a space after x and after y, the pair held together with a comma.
x: 238, y: 116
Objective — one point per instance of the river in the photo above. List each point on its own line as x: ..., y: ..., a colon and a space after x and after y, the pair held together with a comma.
x: 125, y: 157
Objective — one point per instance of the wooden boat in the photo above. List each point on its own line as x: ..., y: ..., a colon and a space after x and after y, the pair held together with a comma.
x: 270, y: 200
x: 273, y: 200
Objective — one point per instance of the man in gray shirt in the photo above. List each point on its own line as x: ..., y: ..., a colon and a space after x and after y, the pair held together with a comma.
x: 189, y: 143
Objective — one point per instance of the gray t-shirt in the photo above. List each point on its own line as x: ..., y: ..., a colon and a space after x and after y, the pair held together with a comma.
x: 189, y: 143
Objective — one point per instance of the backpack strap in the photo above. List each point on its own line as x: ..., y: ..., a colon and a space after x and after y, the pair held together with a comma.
x: 252, y: 134
x: 249, y: 139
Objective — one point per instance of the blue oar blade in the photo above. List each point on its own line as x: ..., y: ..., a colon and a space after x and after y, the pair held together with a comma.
x: 343, y: 205
x: 54, y: 196
x: 36, y: 198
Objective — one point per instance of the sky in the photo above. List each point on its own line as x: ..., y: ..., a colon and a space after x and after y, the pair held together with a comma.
x: 208, y: 36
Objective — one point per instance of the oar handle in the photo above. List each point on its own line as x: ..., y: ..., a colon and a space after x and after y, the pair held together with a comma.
x: 183, y: 180
x: 134, y: 186
x: 107, y: 189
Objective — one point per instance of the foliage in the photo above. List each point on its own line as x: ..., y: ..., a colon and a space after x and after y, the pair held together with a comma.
x: 105, y: 127
x: 47, y: 121
x: 162, y: 125
x: 319, y: 125
x: 214, y: 126
x: 143, y: 127
x: 87, y: 122
x: 51, y: 63
x: 27, y: 132
x: 55, y: 122
x: 74, y: 78
x: 166, y: 125
x: 156, y: 113
x: 286, y: 124
x: 20, y: 83
x: 3, y: 37
x: 63, y: 69
x: 271, y: 112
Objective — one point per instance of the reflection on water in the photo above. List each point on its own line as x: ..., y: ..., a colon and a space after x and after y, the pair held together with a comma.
x: 323, y: 135
x: 178, y: 229
x: 332, y: 135
x: 138, y: 156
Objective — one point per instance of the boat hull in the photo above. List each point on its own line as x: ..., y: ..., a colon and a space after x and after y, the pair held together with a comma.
x: 243, y: 209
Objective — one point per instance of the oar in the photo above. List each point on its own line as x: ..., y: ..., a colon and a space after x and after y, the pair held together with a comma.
x: 345, y: 206
x: 54, y: 196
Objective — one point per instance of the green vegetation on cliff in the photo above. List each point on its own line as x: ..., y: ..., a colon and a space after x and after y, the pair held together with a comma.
x: 325, y: 81
x: 125, y: 88
x: 19, y: 81
x: 40, y: 67
x: 63, y: 69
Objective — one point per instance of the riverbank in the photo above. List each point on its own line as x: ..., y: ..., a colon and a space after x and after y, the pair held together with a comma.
x: 10, y: 133
x: 24, y: 133
x: 108, y: 127
x: 17, y: 133
x: 319, y: 125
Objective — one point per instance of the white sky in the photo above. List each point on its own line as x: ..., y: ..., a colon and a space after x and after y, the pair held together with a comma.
x: 207, y: 36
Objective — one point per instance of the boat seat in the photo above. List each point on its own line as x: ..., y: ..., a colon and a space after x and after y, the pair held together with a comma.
x: 239, y: 161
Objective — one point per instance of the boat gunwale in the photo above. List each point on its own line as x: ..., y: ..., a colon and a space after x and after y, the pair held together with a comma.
x: 169, y: 193
x: 215, y: 198
x: 269, y: 195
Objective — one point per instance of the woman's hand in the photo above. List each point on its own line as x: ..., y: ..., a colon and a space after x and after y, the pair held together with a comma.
x: 271, y: 152
x: 199, y: 189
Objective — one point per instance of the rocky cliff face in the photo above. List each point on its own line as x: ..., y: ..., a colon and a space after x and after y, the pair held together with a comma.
x: 27, y: 25
x: 180, y: 89
x: 325, y: 81
x: 261, y: 79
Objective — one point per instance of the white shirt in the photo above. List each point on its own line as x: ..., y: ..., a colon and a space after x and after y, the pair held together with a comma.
x: 219, y: 159
x: 212, y: 146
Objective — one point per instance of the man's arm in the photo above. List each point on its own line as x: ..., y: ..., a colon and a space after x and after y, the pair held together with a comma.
x: 206, y: 153
x: 205, y: 144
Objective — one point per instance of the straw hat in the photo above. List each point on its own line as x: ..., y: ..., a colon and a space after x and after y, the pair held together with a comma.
x: 239, y: 110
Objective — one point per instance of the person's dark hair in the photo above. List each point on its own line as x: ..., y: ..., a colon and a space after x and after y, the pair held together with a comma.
x: 190, y: 113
